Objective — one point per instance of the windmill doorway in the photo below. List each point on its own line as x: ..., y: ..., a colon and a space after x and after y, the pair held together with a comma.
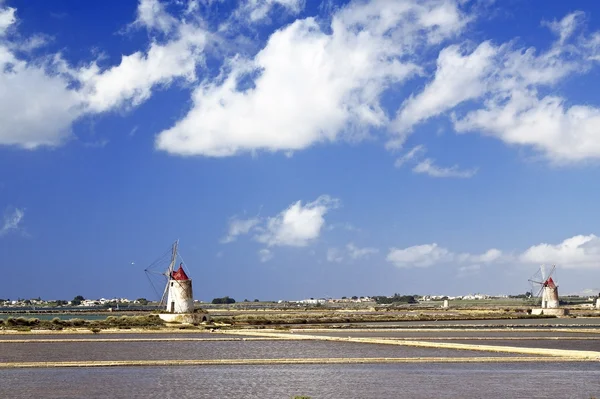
x: 172, y: 307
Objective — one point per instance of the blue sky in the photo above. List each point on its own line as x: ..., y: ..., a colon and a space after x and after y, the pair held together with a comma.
x: 298, y: 149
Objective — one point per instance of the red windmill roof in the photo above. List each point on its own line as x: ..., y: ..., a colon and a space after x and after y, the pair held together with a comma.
x: 179, y: 274
x: 550, y: 283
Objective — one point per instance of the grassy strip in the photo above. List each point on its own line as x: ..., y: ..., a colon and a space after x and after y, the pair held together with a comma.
x: 58, y: 340
x: 56, y: 324
x: 217, y: 362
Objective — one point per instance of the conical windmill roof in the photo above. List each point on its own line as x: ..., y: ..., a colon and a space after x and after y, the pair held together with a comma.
x: 549, y: 283
x: 179, y: 274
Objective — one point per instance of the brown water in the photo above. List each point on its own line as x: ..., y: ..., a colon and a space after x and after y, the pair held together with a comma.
x: 385, y: 381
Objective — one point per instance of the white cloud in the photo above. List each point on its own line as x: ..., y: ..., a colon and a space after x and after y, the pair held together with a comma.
x: 459, y: 77
x: 258, y: 10
x: 265, y: 255
x: 152, y: 14
x: 308, y: 86
x: 578, y: 252
x: 414, y: 153
x: 428, y: 167
x: 355, y: 252
x: 566, y: 26
x: 37, y: 107
x: 491, y: 255
x: 297, y: 225
x: 427, y: 255
x: 43, y: 97
x: 564, y: 134
x: 334, y: 255
x: 312, y: 83
x: 239, y: 227
x: 419, y: 256
x: 12, y: 220
x: 131, y: 82
x: 505, y: 82
x: 7, y: 19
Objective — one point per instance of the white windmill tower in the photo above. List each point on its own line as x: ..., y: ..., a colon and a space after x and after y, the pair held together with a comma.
x: 178, y: 297
x: 544, y: 287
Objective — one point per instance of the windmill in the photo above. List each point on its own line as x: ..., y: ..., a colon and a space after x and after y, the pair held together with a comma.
x: 542, y: 285
x: 177, y: 296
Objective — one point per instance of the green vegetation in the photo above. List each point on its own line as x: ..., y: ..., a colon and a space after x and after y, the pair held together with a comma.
x: 142, y: 301
x: 224, y: 300
x: 397, y: 298
x: 123, y: 322
x: 77, y: 300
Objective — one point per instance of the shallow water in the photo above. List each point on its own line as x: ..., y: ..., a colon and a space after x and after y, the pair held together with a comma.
x: 370, y: 381
x: 582, y: 345
x: 406, y: 333
x: 195, y: 350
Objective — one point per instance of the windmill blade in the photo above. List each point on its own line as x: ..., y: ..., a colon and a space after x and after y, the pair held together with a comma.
x: 163, y: 299
x: 551, y: 272
x: 543, y: 272
x: 540, y: 291
x: 536, y: 282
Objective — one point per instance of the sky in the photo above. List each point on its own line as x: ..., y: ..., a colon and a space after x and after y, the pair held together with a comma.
x: 298, y: 148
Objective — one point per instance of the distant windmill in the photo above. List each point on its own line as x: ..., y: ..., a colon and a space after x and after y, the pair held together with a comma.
x: 177, y: 295
x: 177, y: 299
x: 542, y: 285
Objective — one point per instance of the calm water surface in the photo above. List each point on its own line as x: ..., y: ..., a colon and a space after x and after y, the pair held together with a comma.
x: 82, y: 351
x: 389, y: 381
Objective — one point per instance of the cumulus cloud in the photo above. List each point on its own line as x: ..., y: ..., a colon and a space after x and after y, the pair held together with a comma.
x: 12, y: 220
x: 152, y: 14
x: 131, y: 82
x: 578, y: 252
x: 504, y: 85
x: 308, y: 85
x: 239, y: 227
x: 43, y: 97
x: 37, y: 107
x: 564, y: 134
x: 459, y: 77
x: 298, y: 225
x: 312, y: 82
